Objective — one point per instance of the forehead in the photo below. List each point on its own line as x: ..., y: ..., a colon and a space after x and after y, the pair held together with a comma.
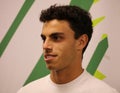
x: 56, y: 26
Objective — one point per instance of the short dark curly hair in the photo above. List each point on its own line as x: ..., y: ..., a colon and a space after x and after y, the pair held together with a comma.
x: 79, y: 20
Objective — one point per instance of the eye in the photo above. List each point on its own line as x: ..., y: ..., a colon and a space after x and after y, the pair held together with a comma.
x: 43, y: 38
x: 57, y: 38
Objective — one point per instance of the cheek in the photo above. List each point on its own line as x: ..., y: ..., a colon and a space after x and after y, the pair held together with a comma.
x: 64, y: 48
x: 67, y: 51
x: 66, y: 55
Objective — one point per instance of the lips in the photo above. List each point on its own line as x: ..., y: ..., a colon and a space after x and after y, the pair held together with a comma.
x: 49, y: 57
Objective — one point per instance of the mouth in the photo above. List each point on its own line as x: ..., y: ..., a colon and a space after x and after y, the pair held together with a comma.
x: 49, y: 57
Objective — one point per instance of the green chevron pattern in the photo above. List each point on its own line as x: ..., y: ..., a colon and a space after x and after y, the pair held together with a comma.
x: 98, y: 55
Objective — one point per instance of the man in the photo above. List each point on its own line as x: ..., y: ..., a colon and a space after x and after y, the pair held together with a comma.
x: 66, y: 33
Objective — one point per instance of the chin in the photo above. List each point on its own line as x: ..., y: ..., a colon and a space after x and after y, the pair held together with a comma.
x: 50, y: 67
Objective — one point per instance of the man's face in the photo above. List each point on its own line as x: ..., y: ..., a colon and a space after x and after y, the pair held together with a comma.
x: 59, y: 45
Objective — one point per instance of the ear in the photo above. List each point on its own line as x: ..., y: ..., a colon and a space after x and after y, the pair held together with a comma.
x: 82, y: 41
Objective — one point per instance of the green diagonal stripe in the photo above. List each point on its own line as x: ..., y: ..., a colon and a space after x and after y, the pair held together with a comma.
x: 26, y: 6
x: 85, y: 4
x: 39, y: 71
x: 98, y: 20
x: 95, y: 1
x: 97, y: 56
x: 99, y: 75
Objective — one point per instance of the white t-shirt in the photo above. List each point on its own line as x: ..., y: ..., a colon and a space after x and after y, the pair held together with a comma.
x: 85, y: 83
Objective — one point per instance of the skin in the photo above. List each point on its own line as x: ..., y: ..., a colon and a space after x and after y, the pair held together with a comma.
x: 62, y: 52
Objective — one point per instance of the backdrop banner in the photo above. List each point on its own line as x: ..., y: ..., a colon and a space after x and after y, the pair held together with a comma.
x: 21, y: 59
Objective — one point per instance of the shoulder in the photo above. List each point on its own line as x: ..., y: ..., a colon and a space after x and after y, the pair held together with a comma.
x: 97, y: 85
x: 34, y: 85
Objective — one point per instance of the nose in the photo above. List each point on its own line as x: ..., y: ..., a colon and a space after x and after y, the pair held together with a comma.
x: 47, y: 46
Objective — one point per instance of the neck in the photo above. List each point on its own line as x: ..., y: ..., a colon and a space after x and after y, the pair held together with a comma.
x: 66, y: 75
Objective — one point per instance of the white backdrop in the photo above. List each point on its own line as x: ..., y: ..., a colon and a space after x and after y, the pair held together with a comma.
x: 24, y: 49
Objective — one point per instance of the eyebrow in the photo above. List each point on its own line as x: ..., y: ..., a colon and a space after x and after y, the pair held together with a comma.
x: 53, y: 34
x: 56, y: 34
